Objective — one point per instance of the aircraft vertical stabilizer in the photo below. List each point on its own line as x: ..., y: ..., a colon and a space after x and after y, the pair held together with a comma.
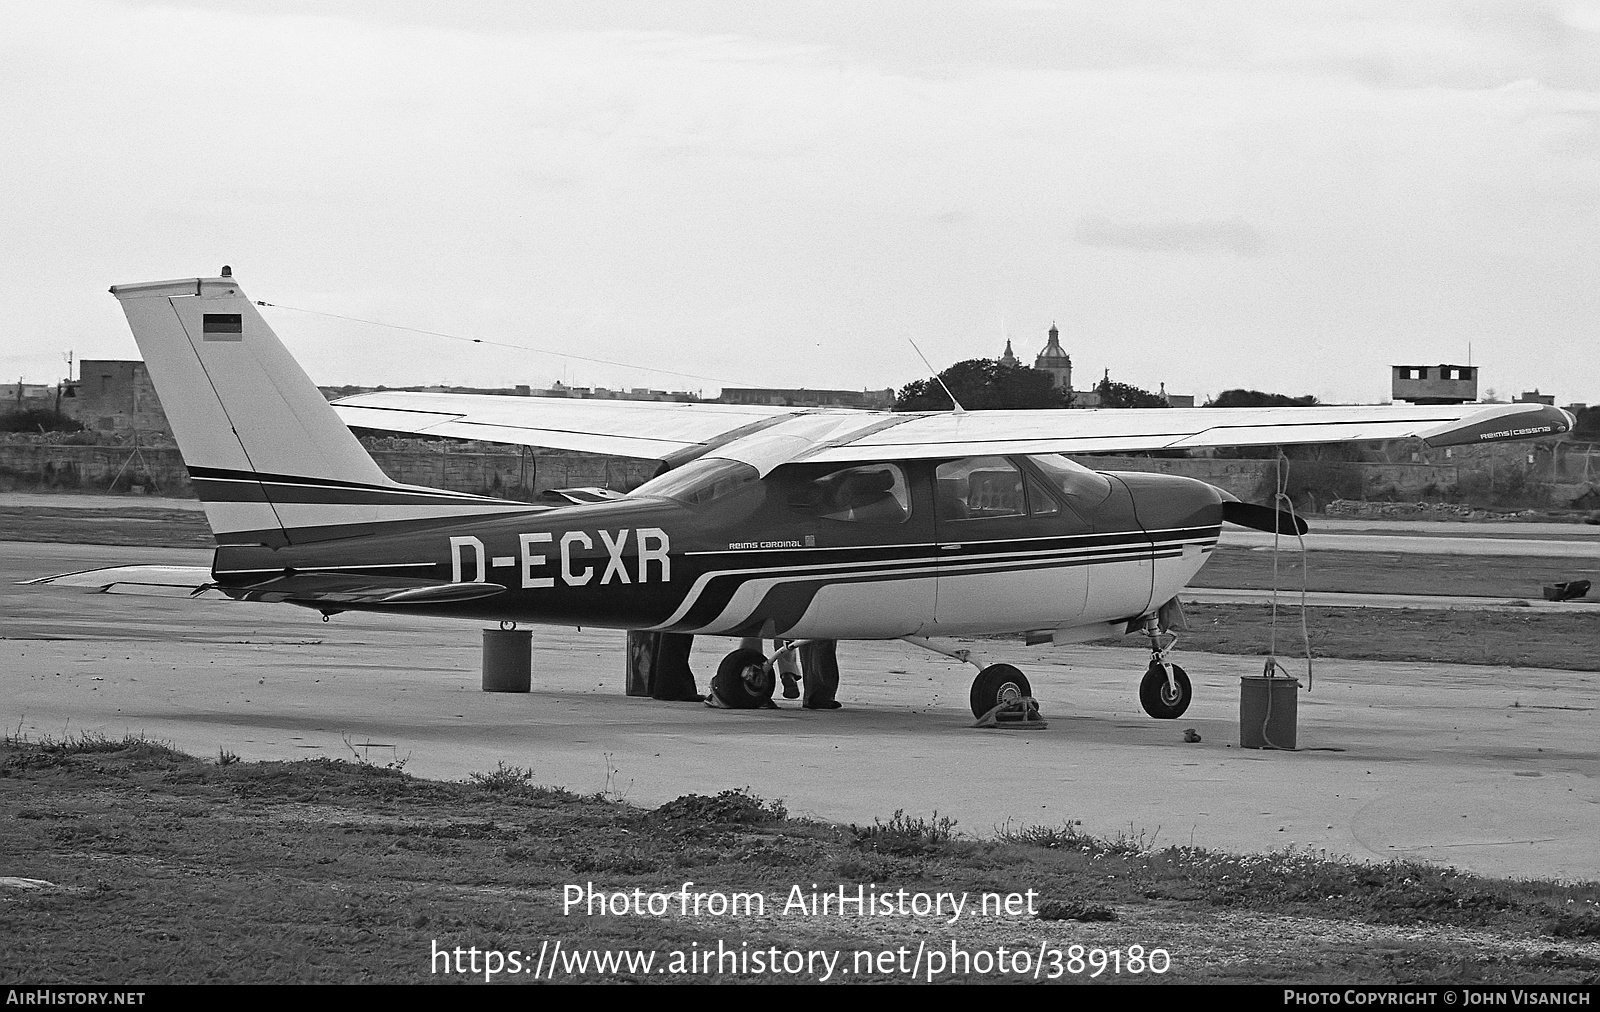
x: 269, y: 458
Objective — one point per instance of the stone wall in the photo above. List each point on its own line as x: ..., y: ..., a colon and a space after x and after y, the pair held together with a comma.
x: 31, y: 466
x: 1255, y: 480
x: 1505, y: 479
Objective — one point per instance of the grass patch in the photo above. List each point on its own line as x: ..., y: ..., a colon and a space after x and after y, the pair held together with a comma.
x: 167, y: 868
x: 1383, y: 573
x: 1509, y: 639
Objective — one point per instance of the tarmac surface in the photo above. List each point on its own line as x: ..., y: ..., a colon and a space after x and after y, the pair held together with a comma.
x: 1425, y: 602
x: 1490, y: 769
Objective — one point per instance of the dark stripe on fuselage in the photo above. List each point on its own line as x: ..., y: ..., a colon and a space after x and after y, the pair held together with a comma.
x: 860, y: 565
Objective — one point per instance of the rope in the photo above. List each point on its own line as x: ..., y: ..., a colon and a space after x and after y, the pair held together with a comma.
x: 1274, y: 668
x: 501, y: 344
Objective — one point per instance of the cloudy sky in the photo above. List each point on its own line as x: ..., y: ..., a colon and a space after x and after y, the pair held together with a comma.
x: 1288, y: 197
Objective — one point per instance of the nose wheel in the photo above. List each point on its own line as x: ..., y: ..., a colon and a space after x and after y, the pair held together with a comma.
x: 1164, y: 692
x: 1165, y: 698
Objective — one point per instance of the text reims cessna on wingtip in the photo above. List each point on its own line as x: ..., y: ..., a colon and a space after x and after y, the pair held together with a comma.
x: 770, y: 522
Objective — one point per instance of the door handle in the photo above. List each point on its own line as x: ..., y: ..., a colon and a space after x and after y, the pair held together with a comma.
x: 950, y: 548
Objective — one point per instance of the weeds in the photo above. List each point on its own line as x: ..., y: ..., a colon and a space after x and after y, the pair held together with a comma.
x: 1067, y: 836
x: 905, y: 836
x: 609, y: 792
x: 738, y: 806
x: 363, y: 755
x: 225, y: 757
x: 504, y: 779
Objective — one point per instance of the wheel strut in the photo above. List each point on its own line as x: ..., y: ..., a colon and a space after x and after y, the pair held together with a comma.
x: 1161, y: 655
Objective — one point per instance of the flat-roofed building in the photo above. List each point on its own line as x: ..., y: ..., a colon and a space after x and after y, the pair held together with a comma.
x: 113, y: 395
x: 1435, y: 384
x: 802, y: 398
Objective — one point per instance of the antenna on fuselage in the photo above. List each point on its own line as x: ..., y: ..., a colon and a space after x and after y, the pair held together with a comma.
x: 958, y: 409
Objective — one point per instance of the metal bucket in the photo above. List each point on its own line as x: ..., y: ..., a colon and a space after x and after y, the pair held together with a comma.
x: 507, y: 660
x: 1267, y: 711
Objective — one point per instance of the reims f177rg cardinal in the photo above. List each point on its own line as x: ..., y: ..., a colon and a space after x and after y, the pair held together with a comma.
x: 771, y: 522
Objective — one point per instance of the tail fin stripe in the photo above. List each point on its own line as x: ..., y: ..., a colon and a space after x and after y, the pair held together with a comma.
x: 226, y: 475
x: 238, y: 490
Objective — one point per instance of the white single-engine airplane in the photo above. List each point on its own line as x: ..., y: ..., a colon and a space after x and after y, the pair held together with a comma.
x: 770, y: 522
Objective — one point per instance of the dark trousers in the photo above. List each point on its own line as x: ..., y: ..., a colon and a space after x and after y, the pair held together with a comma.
x: 658, y: 666
x: 819, y: 672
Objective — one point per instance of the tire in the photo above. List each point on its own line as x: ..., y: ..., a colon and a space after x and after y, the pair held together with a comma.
x: 743, y: 682
x: 995, y: 684
x: 1158, y: 700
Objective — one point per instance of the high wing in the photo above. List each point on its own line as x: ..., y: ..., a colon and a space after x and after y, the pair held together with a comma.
x: 653, y: 430
x: 768, y: 436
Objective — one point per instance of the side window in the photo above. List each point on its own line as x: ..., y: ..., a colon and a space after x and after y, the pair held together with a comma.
x: 976, y: 488
x: 1082, y: 488
x: 1041, y: 503
x: 875, y: 494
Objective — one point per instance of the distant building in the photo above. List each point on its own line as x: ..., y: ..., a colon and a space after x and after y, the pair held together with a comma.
x: 1435, y: 384
x: 1055, y: 361
x: 802, y: 398
x: 1534, y: 397
x: 114, y: 396
x: 21, y: 396
x: 1176, y: 400
x: 1008, y: 357
x: 558, y: 389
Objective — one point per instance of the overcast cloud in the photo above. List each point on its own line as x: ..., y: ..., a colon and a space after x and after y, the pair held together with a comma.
x: 1277, y: 196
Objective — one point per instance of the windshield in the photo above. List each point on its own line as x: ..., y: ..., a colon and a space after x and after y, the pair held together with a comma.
x: 700, y: 481
x: 1081, y: 486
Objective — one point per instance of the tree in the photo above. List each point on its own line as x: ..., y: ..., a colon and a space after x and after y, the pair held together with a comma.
x: 38, y: 420
x: 1588, y: 426
x: 1257, y: 399
x: 1124, y: 395
x: 981, y: 384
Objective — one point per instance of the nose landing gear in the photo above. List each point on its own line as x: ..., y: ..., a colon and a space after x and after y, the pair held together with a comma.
x: 1164, y: 692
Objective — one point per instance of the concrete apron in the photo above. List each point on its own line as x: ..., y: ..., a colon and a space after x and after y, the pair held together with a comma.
x: 1489, y: 769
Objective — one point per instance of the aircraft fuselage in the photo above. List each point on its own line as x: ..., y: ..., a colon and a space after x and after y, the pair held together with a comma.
x: 920, y: 547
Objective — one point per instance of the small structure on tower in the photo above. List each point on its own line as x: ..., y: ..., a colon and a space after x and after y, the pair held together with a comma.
x: 1056, y: 362
x: 1009, y: 358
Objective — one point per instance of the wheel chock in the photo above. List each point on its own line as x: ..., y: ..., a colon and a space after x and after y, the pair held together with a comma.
x: 1020, y: 714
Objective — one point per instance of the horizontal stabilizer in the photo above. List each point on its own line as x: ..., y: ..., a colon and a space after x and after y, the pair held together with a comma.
x: 145, y: 581
x: 352, y: 590
x: 347, y: 589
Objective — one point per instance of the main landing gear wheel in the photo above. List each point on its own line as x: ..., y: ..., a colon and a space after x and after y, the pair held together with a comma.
x: 996, y: 684
x: 743, y: 680
x: 1158, y: 698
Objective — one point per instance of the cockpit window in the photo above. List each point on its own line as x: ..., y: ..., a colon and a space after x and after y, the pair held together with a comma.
x: 701, y: 481
x: 975, y: 488
x: 875, y: 494
x: 1082, y: 487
